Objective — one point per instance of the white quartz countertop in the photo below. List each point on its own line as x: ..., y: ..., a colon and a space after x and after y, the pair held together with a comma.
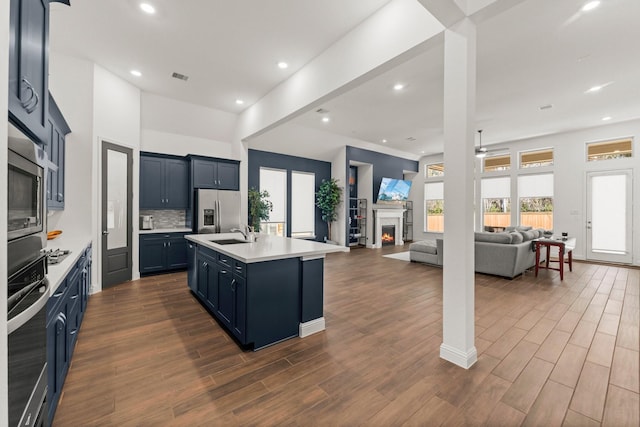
x: 57, y: 272
x: 166, y: 230
x: 265, y: 248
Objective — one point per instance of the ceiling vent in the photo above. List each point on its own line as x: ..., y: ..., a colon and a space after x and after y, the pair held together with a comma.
x: 322, y: 111
x: 546, y: 107
x: 411, y: 139
x: 180, y: 76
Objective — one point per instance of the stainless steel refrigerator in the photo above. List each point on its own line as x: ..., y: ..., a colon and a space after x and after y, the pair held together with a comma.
x: 218, y: 211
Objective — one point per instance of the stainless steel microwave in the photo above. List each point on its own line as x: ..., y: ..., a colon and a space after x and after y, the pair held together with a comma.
x: 26, y: 186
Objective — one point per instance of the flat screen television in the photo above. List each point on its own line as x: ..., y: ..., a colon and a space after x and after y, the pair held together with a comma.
x: 393, y: 191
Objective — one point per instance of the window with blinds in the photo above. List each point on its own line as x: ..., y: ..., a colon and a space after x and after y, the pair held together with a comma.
x: 618, y: 149
x: 497, y: 163
x: 536, y: 159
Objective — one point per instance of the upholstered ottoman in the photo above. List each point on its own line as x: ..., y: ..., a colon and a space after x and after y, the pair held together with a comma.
x: 425, y: 251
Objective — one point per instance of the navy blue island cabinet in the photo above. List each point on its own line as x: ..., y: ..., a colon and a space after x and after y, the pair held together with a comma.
x: 164, y: 182
x: 258, y: 303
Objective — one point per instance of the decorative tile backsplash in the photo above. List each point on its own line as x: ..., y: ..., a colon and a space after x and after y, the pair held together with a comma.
x: 166, y: 218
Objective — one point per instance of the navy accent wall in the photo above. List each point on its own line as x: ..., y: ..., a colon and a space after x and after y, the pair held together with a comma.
x: 322, y: 170
x: 384, y: 165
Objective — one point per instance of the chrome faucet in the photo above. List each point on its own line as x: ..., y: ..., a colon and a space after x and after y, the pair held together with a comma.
x: 246, y: 232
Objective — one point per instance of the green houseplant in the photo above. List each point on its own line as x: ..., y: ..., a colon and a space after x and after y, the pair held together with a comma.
x: 328, y: 198
x: 259, y: 208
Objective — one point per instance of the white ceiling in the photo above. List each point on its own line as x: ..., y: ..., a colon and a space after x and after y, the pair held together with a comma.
x: 537, y: 53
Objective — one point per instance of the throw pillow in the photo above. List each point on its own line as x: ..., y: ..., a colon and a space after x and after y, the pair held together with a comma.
x: 523, y: 227
x: 516, y: 237
x: 493, y: 237
x: 529, y: 235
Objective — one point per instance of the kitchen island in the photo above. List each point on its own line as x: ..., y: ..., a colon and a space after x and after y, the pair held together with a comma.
x: 262, y: 292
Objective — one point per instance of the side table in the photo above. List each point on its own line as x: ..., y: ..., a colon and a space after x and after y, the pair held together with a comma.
x: 564, y: 247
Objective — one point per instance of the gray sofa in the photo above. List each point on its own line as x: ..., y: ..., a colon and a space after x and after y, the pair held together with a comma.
x: 506, y: 254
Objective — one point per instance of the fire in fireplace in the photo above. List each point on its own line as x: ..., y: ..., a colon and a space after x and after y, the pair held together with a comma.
x: 388, y: 235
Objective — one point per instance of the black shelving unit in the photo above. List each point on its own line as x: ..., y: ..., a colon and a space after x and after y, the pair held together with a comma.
x: 407, y: 223
x: 357, y: 222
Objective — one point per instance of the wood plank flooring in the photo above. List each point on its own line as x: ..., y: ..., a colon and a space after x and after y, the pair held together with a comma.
x: 551, y: 353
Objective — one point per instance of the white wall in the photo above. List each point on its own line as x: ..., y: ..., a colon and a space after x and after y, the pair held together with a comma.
x: 116, y: 106
x: 570, y: 169
x: 71, y: 84
x: 4, y: 97
x: 175, y: 127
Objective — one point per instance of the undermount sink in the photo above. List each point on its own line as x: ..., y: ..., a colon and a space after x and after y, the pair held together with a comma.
x: 228, y: 241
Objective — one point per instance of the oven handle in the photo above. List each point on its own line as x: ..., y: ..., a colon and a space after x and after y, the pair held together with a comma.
x: 30, y: 312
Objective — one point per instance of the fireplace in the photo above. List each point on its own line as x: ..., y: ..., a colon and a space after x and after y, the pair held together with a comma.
x: 388, y: 235
x: 391, y: 218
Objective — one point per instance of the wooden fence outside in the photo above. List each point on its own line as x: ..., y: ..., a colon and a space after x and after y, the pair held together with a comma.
x: 435, y: 223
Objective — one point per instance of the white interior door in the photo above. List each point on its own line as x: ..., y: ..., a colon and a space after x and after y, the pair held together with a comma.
x: 609, y: 205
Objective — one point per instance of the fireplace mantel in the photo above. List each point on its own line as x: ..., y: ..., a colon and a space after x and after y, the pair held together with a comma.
x: 388, y: 217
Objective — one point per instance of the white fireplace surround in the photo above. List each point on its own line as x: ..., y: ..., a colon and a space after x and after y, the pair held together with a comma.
x: 388, y: 217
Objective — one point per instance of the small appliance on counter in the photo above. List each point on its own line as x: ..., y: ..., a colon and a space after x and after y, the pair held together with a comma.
x: 146, y: 222
x: 55, y: 256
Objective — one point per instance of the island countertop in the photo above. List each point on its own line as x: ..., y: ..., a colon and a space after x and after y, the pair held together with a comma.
x: 265, y: 248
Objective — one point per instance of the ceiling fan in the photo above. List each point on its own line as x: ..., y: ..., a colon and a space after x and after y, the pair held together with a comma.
x: 482, y: 152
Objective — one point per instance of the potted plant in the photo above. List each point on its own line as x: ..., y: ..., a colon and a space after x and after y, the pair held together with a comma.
x: 328, y: 198
x: 259, y: 208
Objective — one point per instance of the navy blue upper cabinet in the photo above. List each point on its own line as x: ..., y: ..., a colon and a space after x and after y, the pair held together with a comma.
x: 28, y: 66
x: 216, y: 174
x: 57, y: 129
x: 164, y: 182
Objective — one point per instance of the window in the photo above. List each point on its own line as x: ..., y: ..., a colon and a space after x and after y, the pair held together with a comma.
x: 609, y: 150
x: 435, y: 170
x: 434, y: 207
x: 536, y: 159
x: 535, y: 193
x: 497, y: 163
x: 496, y: 202
x: 303, y: 205
x: 275, y: 183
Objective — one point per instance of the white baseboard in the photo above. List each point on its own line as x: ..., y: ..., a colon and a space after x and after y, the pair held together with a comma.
x: 311, y: 327
x: 458, y: 357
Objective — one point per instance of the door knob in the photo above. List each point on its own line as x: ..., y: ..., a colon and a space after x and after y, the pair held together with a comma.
x: 105, y: 232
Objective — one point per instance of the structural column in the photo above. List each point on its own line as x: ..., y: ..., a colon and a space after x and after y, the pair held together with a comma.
x: 459, y: 123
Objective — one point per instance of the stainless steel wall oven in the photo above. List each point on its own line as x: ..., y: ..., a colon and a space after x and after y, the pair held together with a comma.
x: 28, y: 290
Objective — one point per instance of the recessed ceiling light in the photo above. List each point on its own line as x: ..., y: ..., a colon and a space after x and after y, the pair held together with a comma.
x: 147, y: 8
x: 606, y: 119
x: 422, y: 152
x: 590, y: 6
x: 326, y: 119
x: 384, y: 141
x: 239, y: 101
x: 398, y: 86
x: 282, y: 65
x: 136, y: 73
x: 594, y: 89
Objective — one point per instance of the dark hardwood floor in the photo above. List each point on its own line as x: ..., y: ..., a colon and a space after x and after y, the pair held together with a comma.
x: 551, y: 353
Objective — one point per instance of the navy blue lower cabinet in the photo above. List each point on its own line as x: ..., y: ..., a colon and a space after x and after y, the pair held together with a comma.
x: 225, y: 296
x: 162, y: 252
x: 65, y: 309
x: 239, y: 318
x: 312, y: 289
x: 258, y: 303
x: 192, y: 266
